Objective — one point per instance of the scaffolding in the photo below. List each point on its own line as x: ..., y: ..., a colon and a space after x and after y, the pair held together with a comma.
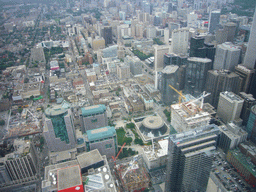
x: 132, y: 175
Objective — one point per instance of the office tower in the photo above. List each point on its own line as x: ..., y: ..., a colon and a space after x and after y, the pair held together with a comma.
x: 221, y: 36
x: 227, y: 56
x: 249, y: 101
x: 123, y: 71
x: 214, y: 20
x: 229, y: 107
x: 151, y: 32
x: 18, y: 165
x: 166, y: 36
x: 196, y: 73
x: 157, y: 21
x: 59, y: 131
x: 251, y: 125
x: 93, y: 117
x: 135, y: 64
x: 180, y: 41
x: 169, y: 76
x: 246, y: 76
x: 231, y: 136
x: 107, y: 34
x: 230, y: 27
x: 196, y: 45
x: 192, y: 20
x: 175, y: 59
x: 250, y: 56
x: 190, y: 156
x: 219, y: 81
x: 200, y: 49
x: 104, y: 139
x: 122, y: 15
x: 159, y: 56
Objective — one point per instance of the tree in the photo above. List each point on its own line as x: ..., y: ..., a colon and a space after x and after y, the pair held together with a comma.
x: 31, y: 97
x: 2, y: 122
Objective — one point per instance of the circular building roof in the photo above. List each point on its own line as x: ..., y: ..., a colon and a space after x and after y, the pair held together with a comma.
x: 153, y: 122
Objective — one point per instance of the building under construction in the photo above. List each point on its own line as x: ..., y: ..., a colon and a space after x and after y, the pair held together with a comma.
x: 132, y: 176
x: 188, y: 115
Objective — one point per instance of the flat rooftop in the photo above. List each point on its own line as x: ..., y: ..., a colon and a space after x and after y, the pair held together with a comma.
x: 231, y: 96
x: 69, y: 177
x: 89, y: 158
x: 100, y: 133
x: 92, y: 110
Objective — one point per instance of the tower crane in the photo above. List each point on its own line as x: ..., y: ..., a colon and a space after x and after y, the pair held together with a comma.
x: 114, y: 158
x: 179, y: 92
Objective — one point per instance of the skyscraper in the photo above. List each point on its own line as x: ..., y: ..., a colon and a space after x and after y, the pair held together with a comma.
x: 159, y: 56
x: 214, y: 20
x: 246, y: 76
x: 250, y: 56
x: 251, y: 125
x: 180, y: 41
x: 227, y: 56
x: 59, y: 131
x: 107, y: 34
x: 219, y: 81
x: 229, y: 107
x: 196, y: 73
x: 249, y: 101
x: 169, y: 77
x: 190, y: 159
x: 230, y: 27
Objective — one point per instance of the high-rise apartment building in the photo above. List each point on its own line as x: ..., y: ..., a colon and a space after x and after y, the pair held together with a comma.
x: 219, y: 81
x: 229, y: 107
x: 196, y: 73
x: 169, y: 76
x: 180, y: 41
x: 251, y: 125
x: 93, y: 117
x: 214, y: 20
x: 190, y: 159
x: 227, y: 56
x: 59, y: 131
x: 250, y: 56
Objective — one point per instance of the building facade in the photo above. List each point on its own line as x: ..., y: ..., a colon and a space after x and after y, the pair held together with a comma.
x: 104, y: 139
x: 229, y: 107
x: 190, y: 159
x: 251, y: 125
x: 214, y: 21
x: 59, y: 131
x: 93, y: 117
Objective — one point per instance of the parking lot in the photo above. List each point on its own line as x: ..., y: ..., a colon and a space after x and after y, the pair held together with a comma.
x: 228, y: 175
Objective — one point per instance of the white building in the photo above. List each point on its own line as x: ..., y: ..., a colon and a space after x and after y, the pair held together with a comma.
x: 227, y: 56
x: 159, y: 56
x: 180, y: 41
x: 192, y: 20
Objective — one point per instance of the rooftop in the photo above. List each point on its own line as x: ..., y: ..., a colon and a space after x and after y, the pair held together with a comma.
x: 69, y: 177
x: 89, y: 158
x: 244, y: 160
x: 100, y: 133
x: 92, y: 110
x: 170, y: 69
x: 231, y: 95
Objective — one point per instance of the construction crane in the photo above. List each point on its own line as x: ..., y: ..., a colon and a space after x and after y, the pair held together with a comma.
x: 132, y: 165
x: 179, y: 92
x: 114, y: 158
x: 203, y: 95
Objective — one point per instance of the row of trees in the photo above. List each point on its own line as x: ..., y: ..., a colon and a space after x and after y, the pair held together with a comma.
x: 141, y: 55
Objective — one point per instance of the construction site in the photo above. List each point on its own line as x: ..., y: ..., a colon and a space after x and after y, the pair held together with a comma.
x: 132, y: 175
x: 190, y: 114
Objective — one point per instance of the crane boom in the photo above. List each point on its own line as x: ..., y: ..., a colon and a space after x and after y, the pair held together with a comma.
x: 114, y: 158
x: 179, y: 92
